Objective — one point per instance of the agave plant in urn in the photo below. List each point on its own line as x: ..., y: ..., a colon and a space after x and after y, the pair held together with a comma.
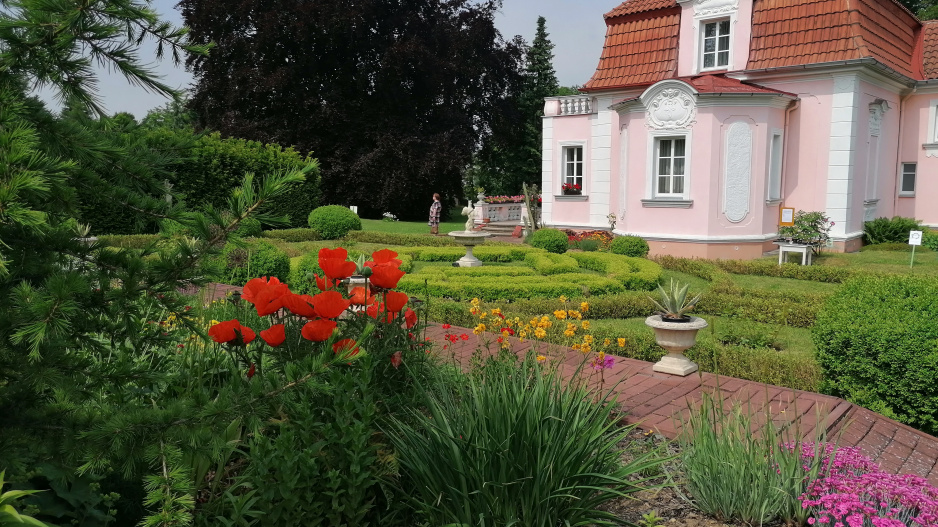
x: 675, y: 331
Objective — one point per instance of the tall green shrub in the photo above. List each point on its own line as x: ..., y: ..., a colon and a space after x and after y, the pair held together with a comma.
x: 877, y: 342
x: 630, y: 246
x: 237, y: 265
x: 889, y: 230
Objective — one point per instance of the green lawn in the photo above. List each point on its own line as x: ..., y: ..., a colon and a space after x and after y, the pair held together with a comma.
x: 411, y: 227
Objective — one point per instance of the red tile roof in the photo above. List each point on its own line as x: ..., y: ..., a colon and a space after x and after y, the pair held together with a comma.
x: 639, y: 49
x: 642, y: 38
x: 712, y: 84
x: 631, y: 7
x: 794, y: 32
x: 930, y: 49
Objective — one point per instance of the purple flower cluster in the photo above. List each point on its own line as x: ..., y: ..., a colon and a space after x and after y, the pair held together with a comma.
x: 853, y: 492
x: 603, y: 363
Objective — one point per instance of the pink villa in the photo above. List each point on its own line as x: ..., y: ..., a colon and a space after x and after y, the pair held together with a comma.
x: 704, y: 117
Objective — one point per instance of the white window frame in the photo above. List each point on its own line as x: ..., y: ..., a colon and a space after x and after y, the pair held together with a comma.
x: 564, y: 146
x: 701, y: 44
x: 902, y: 173
x: 774, y: 168
x: 652, y: 173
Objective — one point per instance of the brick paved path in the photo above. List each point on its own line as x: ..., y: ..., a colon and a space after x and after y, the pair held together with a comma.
x: 654, y: 399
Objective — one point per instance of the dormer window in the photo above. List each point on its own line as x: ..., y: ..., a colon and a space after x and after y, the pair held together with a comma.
x: 716, y: 44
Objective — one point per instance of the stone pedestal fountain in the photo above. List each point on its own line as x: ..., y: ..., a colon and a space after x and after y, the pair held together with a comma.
x: 469, y: 239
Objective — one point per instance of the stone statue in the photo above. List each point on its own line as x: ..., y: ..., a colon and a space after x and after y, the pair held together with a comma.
x: 468, y: 211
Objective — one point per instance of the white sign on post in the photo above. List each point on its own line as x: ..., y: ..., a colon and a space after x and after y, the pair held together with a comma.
x: 915, y: 237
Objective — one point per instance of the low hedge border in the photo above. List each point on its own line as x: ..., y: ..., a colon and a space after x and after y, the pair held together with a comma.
x: 455, y: 272
x: 504, y: 254
x: 128, y: 241
x: 393, y: 238
x: 636, y: 274
x: 292, y: 235
x: 497, y: 288
x: 549, y: 264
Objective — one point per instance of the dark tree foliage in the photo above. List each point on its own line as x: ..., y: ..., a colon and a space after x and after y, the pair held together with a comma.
x: 513, y: 155
x: 392, y: 97
x: 925, y: 9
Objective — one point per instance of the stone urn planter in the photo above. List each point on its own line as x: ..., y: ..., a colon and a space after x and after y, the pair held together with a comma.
x: 675, y: 337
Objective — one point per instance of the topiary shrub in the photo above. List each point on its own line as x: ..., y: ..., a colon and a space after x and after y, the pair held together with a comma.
x: 237, y: 265
x: 334, y: 221
x: 876, y: 341
x: 889, y: 230
x: 551, y: 240
x: 630, y: 246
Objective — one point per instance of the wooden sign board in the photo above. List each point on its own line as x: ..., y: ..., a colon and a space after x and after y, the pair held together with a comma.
x: 787, y: 217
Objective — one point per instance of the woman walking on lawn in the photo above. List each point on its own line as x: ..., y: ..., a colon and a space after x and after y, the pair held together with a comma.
x: 435, y: 215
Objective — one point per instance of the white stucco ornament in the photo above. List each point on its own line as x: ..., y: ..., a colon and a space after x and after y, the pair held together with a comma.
x: 715, y: 7
x: 671, y: 109
x: 738, y: 176
x: 877, y: 109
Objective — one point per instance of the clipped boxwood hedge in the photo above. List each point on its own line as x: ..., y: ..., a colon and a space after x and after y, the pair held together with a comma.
x: 292, y: 235
x: 394, y: 238
x: 634, y: 273
x: 498, y: 288
x: 551, y: 240
x: 877, y: 341
x: 485, y: 253
x: 629, y: 246
x: 457, y: 272
x: 548, y: 263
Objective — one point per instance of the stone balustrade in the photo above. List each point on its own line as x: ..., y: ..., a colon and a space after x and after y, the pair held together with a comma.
x: 576, y: 105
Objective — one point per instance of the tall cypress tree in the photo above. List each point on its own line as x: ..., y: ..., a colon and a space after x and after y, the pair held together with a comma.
x: 513, y: 156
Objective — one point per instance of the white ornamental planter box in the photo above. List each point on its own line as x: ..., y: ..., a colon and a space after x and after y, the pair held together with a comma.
x: 675, y: 337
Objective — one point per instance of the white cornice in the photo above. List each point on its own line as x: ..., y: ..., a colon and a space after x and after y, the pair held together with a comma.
x: 761, y: 100
x: 869, y: 70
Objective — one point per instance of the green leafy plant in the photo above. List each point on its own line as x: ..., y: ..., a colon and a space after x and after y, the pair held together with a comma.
x: 240, y: 264
x: 674, y: 302
x: 588, y: 245
x: 650, y: 519
x: 629, y: 246
x: 889, y: 230
x: 334, y: 221
x: 9, y: 516
x: 515, y: 445
x: 810, y: 228
x: 551, y: 240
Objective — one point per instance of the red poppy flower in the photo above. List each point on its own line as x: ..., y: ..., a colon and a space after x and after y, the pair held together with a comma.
x: 464, y: 336
x: 251, y: 371
x: 396, y: 359
x: 359, y: 298
x: 410, y: 318
x: 318, y: 330
x: 385, y: 256
x: 396, y: 301
x: 386, y: 276
x: 274, y: 335
x: 347, y: 347
x: 336, y: 269
x: 338, y: 253
x: 446, y: 326
x: 330, y: 304
x: 510, y: 331
x: 256, y: 285
x: 301, y: 305
x: 231, y: 332
x: 324, y: 284
x: 376, y: 308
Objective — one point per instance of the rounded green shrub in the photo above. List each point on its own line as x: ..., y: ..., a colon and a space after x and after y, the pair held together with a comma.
x: 889, y: 230
x: 237, y: 265
x: 876, y: 342
x: 249, y: 227
x: 551, y: 240
x: 630, y: 246
x: 334, y: 221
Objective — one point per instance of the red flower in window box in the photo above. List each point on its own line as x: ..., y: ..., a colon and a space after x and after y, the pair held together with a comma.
x: 571, y: 189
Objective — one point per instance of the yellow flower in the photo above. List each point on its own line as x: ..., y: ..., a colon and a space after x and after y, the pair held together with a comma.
x: 586, y: 324
x: 575, y: 314
x: 505, y: 333
x: 474, y: 310
x: 571, y: 326
x: 496, y: 311
x: 563, y: 299
x: 588, y: 339
x: 602, y: 355
x: 585, y: 348
x: 482, y: 314
x: 479, y: 329
x: 577, y: 347
x: 607, y: 342
x: 522, y: 335
x: 533, y: 322
x: 475, y: 302
x: 506, y: 345
x: 568, y: 333
x: 213, y: 322
x: 584, y: 306
x: 540, y: 333
x: 541, y: 358
x: 560, y: 314
x: 621, y: 342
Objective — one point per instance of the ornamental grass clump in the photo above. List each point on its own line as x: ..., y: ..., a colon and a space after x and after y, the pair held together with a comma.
x: 515, y: 445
